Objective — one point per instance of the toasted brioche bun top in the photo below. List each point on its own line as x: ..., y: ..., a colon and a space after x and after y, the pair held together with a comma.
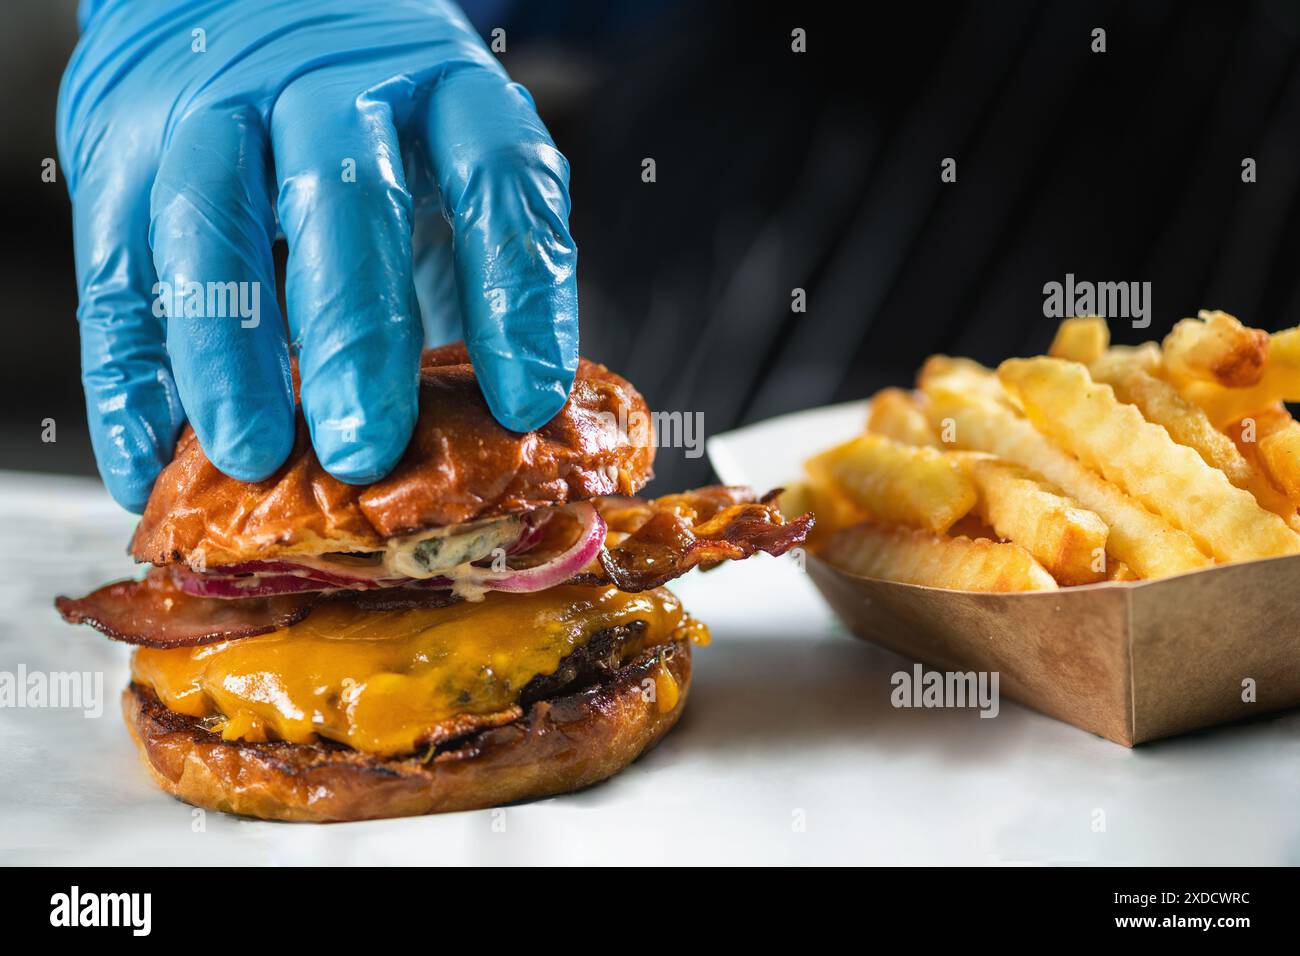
x: 460, y: 465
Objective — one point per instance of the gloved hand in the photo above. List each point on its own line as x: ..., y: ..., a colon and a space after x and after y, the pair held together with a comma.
x: 190, y: 134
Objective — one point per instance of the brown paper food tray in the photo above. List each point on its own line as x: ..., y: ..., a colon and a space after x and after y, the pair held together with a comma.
x: 1131, y: 662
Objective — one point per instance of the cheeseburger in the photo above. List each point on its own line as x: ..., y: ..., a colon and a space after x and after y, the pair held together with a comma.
x: 486, y: 624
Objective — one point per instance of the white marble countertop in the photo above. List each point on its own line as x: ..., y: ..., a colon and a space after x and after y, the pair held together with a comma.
x: 789, y: 752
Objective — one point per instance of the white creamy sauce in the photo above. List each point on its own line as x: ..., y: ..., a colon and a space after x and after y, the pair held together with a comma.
x: 434, y: 553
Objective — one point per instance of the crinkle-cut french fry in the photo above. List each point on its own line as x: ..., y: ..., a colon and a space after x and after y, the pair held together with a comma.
x: 1081, y: 339
x: 1278, y: 435
x: 1069, y: 541
x: 1245, y: 435
x: 913, y: 556
x: 898, y: 483
x: 1281, y: 454
x: 1087, y: 420
x: 832, y: 509
x: 962, y: 375
x: 1270, y: 420
x: 1146, y: 542
x: 1161, y: 403
x: 797, y: 494
x: 1280, y: 382
x: 1122, y: 359
x: 972, y: 526
x: 1216, y: 348
x: 1248, y: 434
x: 895, y: 413
x: 1119, y: 571
x: 1254, y: 428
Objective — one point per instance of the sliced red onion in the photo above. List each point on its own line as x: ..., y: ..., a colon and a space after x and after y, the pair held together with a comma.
x: 590, y: 539
x: 373, y: 577
x: 246, y: 586
x: 262, y: 578
x: 534, y: 532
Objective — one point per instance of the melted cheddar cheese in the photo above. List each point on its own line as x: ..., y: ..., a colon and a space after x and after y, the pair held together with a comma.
x: 380, y: 681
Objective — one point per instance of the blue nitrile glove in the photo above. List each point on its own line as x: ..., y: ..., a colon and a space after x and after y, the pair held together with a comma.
x: 186, y: 127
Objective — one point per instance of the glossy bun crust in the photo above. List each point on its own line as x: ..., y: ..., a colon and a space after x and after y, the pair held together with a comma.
x: 560, y: 744
x: 461, y: 465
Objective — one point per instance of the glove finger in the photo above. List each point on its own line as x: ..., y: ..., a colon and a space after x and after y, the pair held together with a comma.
x: 211, y: 230
x: 505, y: 191
x: 132, y: 406
x: 346, y: 213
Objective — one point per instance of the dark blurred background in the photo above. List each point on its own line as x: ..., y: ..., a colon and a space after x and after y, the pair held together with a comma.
x: 821, y: 171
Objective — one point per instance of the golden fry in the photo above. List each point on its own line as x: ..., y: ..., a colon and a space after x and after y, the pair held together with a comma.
x: 1280, y: 382
x: 1147, y: 543
x: 1069, y: 541
x: 1087, y: 420
x: 919, y: 557
x: 1081, y: 339
x: 1121, y: 359
x: 1249, y: 435
x: 1278, y: 435
x: 1216, y: 348
x: 1119, y: 571
x: 972, y: 526
x: 962, y: 374
x: 895, y: 413
x: 797, y: 494
x: 1188, y: 425
x: 1099, y: 462
x: 832, y: 508
x: 1245, y: 435
x: 898, y: 483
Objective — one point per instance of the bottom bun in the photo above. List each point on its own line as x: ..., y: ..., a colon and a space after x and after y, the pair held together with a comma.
x: 561, y: 744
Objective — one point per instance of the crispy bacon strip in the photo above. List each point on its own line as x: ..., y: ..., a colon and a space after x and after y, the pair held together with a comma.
x: 155, y: 612
x: 668, y: 536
